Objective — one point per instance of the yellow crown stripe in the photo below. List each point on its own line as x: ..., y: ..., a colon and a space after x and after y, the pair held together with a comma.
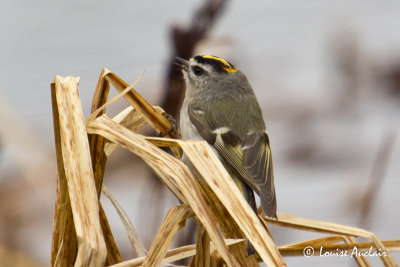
x: 219, y: 59
x: 228, y: 67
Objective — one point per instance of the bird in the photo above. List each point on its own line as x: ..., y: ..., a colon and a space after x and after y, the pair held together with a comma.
x: 221, y: 108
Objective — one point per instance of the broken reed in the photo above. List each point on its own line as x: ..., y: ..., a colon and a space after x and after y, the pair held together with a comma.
x: 81, y: 233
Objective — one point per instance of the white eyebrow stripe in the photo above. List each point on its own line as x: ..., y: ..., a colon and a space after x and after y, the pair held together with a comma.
x: 198, y: 111
x: 221, y: 130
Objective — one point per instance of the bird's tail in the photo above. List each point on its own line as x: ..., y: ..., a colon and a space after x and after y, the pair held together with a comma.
x: 268, y: 201
x: 249, y: 196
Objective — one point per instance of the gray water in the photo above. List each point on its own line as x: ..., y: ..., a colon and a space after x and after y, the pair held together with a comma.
x: 286, y: 48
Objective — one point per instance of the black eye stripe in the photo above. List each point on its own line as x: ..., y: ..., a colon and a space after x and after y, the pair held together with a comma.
x: 197, y: 70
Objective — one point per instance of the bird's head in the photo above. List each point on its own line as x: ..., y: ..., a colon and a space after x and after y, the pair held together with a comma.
x: 211, y: 74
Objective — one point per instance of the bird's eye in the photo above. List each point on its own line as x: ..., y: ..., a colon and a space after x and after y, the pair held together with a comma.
x: 197, y: 70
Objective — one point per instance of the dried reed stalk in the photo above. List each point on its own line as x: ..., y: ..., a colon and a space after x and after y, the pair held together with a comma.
x: 202, y: 247
x: 64, y: 244
x: 229, y: 228
x: 129, y: 228
x: 77, y: 165
x: 214, y: 173
x: 362, y: 260
x: 331, y: 228
x: 130, y: 119
x: 316, y: 242
x: 175, y: 175
x: 175, y: 254
x: 157, y: 121
x: 174, y: 221
x: 99, y: 161
x: 212, y: 197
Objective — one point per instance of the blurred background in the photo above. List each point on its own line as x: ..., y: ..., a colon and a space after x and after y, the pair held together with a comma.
x: 326, y: 73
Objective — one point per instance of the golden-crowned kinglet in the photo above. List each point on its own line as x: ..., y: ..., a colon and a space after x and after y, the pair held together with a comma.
x: 220, y: 107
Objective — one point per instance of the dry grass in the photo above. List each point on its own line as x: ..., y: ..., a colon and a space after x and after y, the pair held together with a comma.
x: 81, y: 234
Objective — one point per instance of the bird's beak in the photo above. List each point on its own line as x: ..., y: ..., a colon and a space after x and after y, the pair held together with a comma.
x: 184, y: 64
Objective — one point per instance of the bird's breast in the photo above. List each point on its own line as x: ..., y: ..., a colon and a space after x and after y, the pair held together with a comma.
x: 188, y: 131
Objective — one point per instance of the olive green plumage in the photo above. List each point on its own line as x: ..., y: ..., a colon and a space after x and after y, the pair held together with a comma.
x: 221, y: 108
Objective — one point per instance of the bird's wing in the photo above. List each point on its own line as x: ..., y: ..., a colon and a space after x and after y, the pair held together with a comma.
x: 257, y: 160
x: 249, y: 154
